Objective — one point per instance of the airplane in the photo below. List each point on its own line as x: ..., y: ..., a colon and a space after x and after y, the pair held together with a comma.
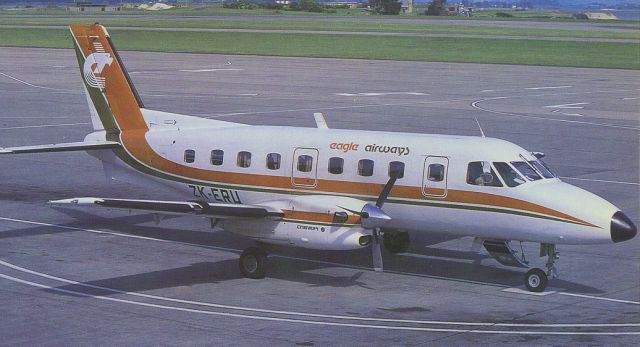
x: 328, y: 189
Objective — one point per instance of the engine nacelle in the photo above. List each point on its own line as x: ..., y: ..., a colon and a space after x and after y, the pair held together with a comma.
x: 315, y: 222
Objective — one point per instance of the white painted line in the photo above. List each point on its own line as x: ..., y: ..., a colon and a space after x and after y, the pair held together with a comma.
x: 320, y: 109
x: 526, y: 292
x: 629, y: 98
x: 487, y: 91
x: 357, y: 318
x: 290, y: 320
x: 381, y: 94
x: 476, y: 106
x: 603, y: 181
x: 573, y: 114
x: 302, y: 321
x: 42, y: 117
x: 211, y: 70
x: 285, y: 257
x: 556, y: 87
x: 33, y: 85
x: 43, y: 126
x: 574, y: 105
x: 601, y: 298
x: 248, y: 94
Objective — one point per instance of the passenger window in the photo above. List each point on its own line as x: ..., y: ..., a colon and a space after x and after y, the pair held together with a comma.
x: 526, y: 170
x: 273, y: 161
x: 365, y: 167
x: 480, y: 173
x: 509, y: 175
x: 189, y: 156
x: 305, y: 163
x: 217, y: 157
x: 396, y: 167
x: 244, y: 159
x: 435, y: 172
x: 336, y: 165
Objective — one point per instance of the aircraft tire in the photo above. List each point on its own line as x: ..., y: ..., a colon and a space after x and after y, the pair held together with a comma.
x: 253, y: 263
x: 535, y: 280
x: 396, y: 241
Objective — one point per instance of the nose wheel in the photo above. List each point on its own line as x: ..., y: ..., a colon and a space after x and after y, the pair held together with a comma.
x: 536, y: 279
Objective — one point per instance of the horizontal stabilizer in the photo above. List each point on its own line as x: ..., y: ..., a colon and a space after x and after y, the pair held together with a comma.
x: 61, y: 147
x: 177, y: 207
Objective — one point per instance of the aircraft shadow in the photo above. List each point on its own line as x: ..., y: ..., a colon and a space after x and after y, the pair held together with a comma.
x: 198, y: 273
x: 290, y: 264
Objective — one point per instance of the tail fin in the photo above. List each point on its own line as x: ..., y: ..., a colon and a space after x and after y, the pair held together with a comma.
x: 114, y: 103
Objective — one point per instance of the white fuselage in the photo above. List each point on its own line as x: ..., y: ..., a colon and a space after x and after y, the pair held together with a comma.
x: 544, y: 210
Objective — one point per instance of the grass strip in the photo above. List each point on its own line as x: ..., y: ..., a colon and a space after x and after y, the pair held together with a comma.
x: 286, y: 24
x: 493, y: 51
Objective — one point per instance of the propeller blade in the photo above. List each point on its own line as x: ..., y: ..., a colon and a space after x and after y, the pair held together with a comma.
x: 387, y: 189
x: 376, y: 251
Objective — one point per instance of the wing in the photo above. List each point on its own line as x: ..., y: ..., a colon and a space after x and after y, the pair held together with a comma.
x: 61, y: 147
x: 200, y: 208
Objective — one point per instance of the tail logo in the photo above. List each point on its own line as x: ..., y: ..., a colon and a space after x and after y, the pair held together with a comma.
x: 93, y: 66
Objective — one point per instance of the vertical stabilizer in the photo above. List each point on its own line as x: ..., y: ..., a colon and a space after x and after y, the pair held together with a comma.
x: 114, y: 103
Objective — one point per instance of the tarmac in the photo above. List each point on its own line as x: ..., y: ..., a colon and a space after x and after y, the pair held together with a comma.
x: 117, y: 278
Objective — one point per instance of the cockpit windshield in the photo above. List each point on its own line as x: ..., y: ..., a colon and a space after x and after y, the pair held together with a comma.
x: 526, y: 170
x: 542, y: 168
x: 510, y: 176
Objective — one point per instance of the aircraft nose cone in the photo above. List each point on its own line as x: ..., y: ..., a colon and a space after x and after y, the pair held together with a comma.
x: 622, y: 228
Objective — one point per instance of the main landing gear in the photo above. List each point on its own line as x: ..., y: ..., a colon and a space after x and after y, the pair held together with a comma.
x: 536, y: 279
x: 253, y: 262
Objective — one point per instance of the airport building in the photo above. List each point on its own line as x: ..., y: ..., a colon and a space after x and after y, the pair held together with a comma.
x: 91, y: 7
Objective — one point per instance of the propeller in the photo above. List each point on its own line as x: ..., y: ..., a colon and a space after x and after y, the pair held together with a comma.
x: 374, y: 218
x: 376, y: 251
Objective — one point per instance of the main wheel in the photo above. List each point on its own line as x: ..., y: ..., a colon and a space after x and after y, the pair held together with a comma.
x: 253, y: 263
x: 396, y: 241
x: 535, y: 280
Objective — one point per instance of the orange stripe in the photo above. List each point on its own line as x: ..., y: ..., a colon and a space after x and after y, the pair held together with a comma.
x: 318, y: 217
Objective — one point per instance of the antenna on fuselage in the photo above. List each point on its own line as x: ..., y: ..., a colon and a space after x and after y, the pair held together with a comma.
x: 479, y: 127
x: 321, y: 122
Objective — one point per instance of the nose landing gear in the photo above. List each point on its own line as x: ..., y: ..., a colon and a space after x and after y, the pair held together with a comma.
x: 536, y: 279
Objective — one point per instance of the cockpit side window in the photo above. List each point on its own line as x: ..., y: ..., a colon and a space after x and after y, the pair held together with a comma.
x: 509, y: 175
x: 526, y: 170
x: 480, y: 173
x: 542, y: 168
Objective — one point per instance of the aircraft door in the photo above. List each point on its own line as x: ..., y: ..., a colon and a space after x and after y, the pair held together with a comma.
x: 434, y: 179
x: 305, y: 167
